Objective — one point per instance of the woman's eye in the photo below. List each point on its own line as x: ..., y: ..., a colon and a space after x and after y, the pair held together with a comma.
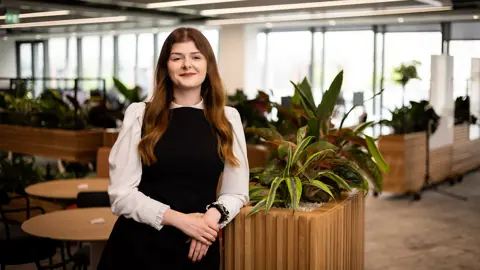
x: 197, y: 57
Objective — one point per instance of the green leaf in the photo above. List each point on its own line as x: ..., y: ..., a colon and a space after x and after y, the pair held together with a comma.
x: 259, y: 206
x: 301, y: 133
x: 294, y: 185
x: 273, y: 192
x: 122, y: 89
x: 345, y: 116
x: 286, y: 172
x: 307, y: 105
x: 363, y: 126
x: 322, y: 186
x: 305, y: 86
x: 315, y: 157
x: 372, y: 148
x: 340, y: 181
x: 320, y: 146
x: 368, y: 166
x: 268, y: 134
x: 325, y: 109
x: 313, y: 128
x: 255, y: 191
x: 299, y: 149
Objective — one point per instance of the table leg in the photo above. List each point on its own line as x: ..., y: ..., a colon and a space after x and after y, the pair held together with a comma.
x: 96, y: 249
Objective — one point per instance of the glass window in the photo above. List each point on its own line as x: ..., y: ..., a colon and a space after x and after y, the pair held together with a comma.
x: 126, y: 59
x: 463, y: 51
x: 261, y: 57
x: 317, y: 66
x: 107, y: 68
x: 161, y: 37
x: 26, y: 65
x: 406, y: 47
x: 288, y: 59
x: 145, y: 69
x: 90, y: 61
x: 72, y: 65
x: 57, y: 56
x: 352, y: 52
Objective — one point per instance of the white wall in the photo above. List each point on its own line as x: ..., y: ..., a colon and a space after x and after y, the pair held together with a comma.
x: 237, y: 58
x: 7, y: 58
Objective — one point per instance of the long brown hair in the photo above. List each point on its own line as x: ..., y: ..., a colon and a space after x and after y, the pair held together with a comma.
x: 156, y: 118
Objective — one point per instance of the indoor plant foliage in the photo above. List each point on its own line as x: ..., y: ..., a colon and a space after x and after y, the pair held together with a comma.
x: 320, y: 162
x: 404, y: 73
x: 462, y: 111
x: 413, y: 118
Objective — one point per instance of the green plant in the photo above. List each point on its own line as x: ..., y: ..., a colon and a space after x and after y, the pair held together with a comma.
x: 462, y: 111
x: 404, y: 73
x: 132, y: 95
x: 320, y: 162
x: 18, y: 172
x: 413, y: 118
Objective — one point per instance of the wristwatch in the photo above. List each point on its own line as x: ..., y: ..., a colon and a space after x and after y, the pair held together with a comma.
x: 223, y: 211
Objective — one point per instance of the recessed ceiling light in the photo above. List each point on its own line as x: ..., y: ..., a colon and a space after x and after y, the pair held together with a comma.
x: 332, y: 22
x: 183, y: 3
x: 323, y: 4
x: 38, y: 36
x: 400, y: 20
x: 475, y: 17
x: 65, y: 22
x: 268, y: 25
x: 41, y: 14
x: 5, y: 38
x: 113, y: 32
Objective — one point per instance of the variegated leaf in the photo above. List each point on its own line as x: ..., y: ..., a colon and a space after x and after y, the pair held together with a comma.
x: 315, y: 157
x: 273, y: 192
x: 322, y: 186
x: 331, y: 175
x: 259, y: 206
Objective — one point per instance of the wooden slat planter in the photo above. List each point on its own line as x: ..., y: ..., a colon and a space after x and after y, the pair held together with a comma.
x: 461, y: 153
x: 68, y: 145
x: 406, y: 155
x: 329, y: 238
x: 440, y: 164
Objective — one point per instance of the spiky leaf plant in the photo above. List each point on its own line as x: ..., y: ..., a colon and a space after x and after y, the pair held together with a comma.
x: 320, y: 162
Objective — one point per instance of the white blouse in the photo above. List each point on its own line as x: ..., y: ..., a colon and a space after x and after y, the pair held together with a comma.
x: 126, y: 171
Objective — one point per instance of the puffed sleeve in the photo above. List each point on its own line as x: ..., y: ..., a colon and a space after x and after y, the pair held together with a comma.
x: 234, y: 191
x: 126, y: 171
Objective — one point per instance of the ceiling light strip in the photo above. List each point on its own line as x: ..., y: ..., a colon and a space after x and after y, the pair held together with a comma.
x: 337, y: 15
x: 41, y: 14
x: 338, y: 3
x: 183, y: 3
x: 65, y: 22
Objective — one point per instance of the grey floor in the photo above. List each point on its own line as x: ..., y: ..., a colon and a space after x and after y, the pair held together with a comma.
x: 435, y: 233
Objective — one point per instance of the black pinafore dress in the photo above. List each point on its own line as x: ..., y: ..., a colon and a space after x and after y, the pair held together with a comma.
x: 185, y: 177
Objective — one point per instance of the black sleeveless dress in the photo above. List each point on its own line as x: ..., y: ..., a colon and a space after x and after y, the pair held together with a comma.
x: 185, y: 177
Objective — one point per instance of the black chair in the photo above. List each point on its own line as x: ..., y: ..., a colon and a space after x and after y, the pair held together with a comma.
x: 18, y: 247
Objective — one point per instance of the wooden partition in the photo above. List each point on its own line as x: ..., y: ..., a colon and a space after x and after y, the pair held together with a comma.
x: 441, y: 164
x: 329, y: 238
x: 407, y: 156
x: 68, y: 145
x: 461, y: 155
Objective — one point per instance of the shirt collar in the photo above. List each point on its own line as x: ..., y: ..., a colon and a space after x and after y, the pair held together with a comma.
x: 199, y: 105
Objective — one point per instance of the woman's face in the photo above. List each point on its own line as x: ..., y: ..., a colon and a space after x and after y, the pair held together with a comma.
x: 187, y: 67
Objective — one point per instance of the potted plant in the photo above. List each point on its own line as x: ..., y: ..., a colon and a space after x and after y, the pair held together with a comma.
x: 404, y: 73
x: 463, y: 148
x: 48, y: 126
x: 306, y: 207
x: 406, y: 149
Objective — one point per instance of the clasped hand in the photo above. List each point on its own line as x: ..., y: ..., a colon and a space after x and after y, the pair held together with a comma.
x: 203, y: 230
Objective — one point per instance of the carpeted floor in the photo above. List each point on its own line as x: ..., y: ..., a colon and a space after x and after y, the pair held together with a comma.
x: 435, y: 233
x: 438, y: 232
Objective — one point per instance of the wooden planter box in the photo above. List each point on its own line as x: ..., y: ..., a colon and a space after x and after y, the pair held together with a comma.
x: 331, y: 237
x: 440, y: 164
x: 68, y: 145
x: 110, y: 136
x: 257, y: 155
x: 461, y: 153
x: 406, y: 155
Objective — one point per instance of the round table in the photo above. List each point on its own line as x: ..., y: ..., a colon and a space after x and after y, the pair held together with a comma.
x: 67, y: 189
x: 75, y: 225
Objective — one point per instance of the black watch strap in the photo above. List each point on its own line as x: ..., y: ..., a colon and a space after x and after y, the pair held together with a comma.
x: 223, y: 211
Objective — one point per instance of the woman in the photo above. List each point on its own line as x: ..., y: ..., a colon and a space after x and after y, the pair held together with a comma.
x: 166, y: 164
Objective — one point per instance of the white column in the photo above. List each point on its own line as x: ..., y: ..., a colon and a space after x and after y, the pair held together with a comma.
x: 474, y: 94
x: 441, y: 98
x: 237, y: 58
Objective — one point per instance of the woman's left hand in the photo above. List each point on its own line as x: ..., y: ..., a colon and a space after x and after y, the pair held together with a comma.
x: 198, y: 250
